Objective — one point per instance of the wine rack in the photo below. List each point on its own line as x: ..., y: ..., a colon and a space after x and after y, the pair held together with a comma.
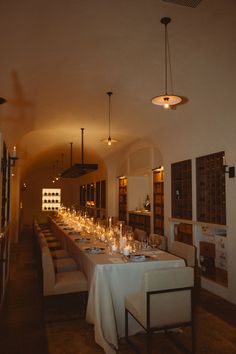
x: 140, y: 220
x: 158, y: 201
x: 51, y: 199
x: 123, y: 181
x: 211, y: 200
x: 183, y: 232
x: 181, y: 190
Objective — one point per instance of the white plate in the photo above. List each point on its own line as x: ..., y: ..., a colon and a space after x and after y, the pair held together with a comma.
x: 82, y: 239
x: 94, y: 250
x: 138, y: 258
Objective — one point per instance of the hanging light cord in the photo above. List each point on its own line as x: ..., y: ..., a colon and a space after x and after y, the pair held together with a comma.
x: 166, y: 58
x: 109, y: 114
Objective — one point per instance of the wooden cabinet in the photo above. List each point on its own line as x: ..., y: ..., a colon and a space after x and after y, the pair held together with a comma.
x: 123, y: 181
x: 158, y: 201
x: 93, y: 198
x: 181, y: 190
x: 51, y: 199
x: 183, y: 232
x: 209, y: 264
x: 211, y: 201
x: 140, y: 220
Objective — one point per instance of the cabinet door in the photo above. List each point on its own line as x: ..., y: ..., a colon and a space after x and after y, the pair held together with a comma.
x: 181, y: 190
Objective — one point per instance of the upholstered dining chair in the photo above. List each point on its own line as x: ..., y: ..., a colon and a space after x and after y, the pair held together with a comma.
x: 164, y: 302
x: 140, y: 235
x: 185, y: 251
x: 159, y: 240
x: 62, y: 284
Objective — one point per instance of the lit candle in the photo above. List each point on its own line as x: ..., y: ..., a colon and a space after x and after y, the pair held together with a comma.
x: 114, y: 247
x: 126, y: 251
x: 14, y: 152
x: 120, y: 229
x: 109, y: 223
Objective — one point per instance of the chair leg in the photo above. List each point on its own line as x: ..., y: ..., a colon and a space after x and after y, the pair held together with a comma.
x: 126, y: 325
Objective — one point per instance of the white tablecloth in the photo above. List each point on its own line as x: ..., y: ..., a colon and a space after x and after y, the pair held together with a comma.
x: 109, y: 283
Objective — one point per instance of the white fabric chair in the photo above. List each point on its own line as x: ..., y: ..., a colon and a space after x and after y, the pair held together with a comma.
x: 60, y: 283
x: 185, y: 251
x: 65, y: 265
x: 140, y: 235
x: 59, y: 254
x: 161, y: 240
x: 165, y: 301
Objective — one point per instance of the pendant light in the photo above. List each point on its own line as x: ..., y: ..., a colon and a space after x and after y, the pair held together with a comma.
x: 109, y: 140
x: 166, y: 100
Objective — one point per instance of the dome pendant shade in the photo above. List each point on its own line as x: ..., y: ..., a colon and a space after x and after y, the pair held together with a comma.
x: 166, y: 100
x: 109, y: 140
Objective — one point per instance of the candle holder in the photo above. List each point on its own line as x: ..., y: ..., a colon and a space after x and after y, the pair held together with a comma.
x: 13, y: 160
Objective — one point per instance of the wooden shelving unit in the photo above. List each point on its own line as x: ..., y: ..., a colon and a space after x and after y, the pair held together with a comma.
x: 209, y: 266
x: 93, y: 198
x: 183, y: 232
x: 158, y: 201
x: 211, y: 200
x: 140, y: 220
x: 123, y: 182
x: 51, y: 199
x: 103, y: 194
x: 181, y: 190
x: 82, y: 196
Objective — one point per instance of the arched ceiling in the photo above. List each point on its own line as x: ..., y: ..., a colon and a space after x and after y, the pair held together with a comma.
x: 59, y: 58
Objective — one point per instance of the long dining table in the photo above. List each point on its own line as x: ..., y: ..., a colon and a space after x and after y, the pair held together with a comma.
x: 111, y: 277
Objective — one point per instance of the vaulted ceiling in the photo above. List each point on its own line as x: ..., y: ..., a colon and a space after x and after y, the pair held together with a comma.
x: 59, y: 58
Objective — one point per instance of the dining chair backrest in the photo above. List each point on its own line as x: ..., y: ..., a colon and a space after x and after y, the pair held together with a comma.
x: 163, y: 241
x: 48, y: 271
x: 185, y: 251
x: 140, y: 235
x: 168, y: 304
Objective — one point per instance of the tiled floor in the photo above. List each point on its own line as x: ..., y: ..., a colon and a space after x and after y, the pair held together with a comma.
x: 23, y: 330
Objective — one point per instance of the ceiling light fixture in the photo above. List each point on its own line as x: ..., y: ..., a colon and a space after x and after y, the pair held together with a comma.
x: 79, y: 169
x: 109, y: 140
x: 166, y: 100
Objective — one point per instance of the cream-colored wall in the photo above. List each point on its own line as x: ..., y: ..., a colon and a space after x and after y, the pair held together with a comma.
x: 138, y: 188
x: 189, y: 141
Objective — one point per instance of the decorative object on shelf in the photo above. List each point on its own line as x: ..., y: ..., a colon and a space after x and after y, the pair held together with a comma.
x: 82, y: 168
x: 109, y: 140
x: 167, y: 100
x: 147, y: 204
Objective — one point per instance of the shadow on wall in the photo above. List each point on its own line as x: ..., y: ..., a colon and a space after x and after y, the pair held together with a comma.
x: 19, y: 116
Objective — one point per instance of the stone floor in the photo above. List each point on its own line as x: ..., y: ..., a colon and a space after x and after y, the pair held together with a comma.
x: 23, y: 329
